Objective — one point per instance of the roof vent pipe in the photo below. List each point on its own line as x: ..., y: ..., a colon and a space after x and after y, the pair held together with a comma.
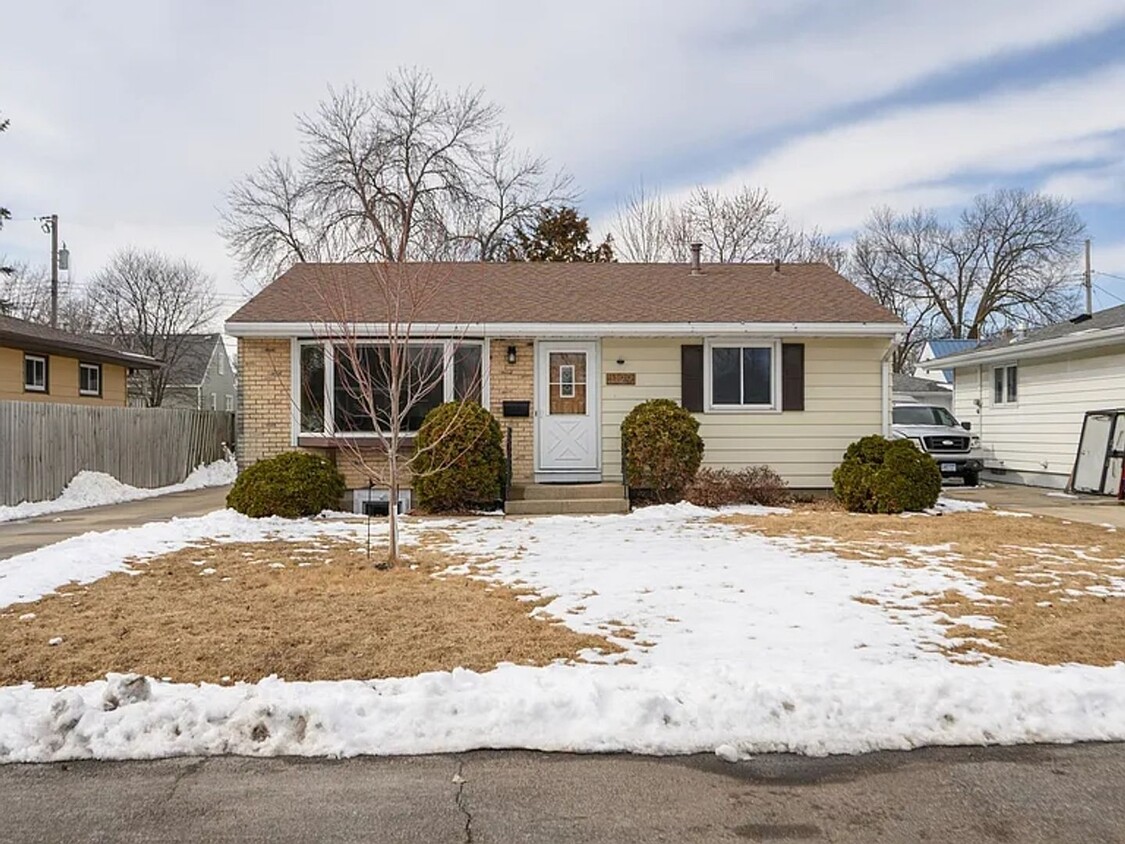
x: 696, y: 260
x: 777, y: 266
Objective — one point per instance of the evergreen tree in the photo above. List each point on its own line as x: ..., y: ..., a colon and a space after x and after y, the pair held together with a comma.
x: 559, y: 234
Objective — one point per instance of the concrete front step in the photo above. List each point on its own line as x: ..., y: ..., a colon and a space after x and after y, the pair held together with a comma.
x: 564, y: 492
x: 566, y: 507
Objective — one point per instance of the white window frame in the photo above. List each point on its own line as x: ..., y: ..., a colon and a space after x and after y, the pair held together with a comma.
x: 1005, y: 396
x: 35, y: 388
x: 97, y: 367
x: 214, y: 402
x: 771, y: 343
x: 228, y: 402
x: 328, y: 346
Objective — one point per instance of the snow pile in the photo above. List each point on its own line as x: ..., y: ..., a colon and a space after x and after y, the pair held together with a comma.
x: 94, y: 489
x: 957, y: 505
x: 568, y: 708
x: 743, y: 645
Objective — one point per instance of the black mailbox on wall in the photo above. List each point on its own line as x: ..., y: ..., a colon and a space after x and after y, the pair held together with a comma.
x: 517, y: 408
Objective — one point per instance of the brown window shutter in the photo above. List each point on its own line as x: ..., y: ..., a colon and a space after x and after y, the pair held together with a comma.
x: 792, y: 376
x: 691, y: 378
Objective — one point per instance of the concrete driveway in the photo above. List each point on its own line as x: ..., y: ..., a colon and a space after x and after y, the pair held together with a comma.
x: 1094, y: 509
x: 21, y: 537
x: 1025, y: 794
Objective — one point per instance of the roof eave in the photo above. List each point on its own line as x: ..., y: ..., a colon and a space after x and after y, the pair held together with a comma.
x: 1035, y: 349
x: 588, y: 329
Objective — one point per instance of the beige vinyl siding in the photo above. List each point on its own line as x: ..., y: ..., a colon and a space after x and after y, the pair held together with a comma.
x: 62, y: 380
x: 1038, y: 435
x: 843, y: 401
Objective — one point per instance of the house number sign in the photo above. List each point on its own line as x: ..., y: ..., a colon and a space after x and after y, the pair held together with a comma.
x: 621, y: 379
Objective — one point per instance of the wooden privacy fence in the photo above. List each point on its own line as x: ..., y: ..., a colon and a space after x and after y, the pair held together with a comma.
x: 43, y: 446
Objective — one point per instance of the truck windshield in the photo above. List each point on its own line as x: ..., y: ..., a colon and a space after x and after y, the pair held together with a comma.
x: 921, y: 414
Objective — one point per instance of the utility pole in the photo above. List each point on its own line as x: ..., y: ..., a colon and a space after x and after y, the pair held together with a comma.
x: 54, y: 269
x: 1089, y: 282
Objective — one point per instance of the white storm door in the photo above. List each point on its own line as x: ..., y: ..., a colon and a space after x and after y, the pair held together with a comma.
x: 1092, y: 452
x: 567, y: 406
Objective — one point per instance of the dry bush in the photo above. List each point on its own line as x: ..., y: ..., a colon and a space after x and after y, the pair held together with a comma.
x: 723, y: 487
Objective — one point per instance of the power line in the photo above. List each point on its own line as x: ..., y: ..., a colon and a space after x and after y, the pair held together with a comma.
x: 1110, y: 275
x: 1105, y: 292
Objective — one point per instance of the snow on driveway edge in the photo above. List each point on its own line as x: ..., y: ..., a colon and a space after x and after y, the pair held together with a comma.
x: 95, y: 489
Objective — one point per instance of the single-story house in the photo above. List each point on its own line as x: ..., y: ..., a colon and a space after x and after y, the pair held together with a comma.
x: 1027, y: 394
x: 910, y: 388
x: 934, y: 349
x: 198, y: 377
x: 782, y: 364
x: 40, y: 363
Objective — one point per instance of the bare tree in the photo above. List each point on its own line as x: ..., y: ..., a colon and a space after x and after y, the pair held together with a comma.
x: 640, y: 227
x: 25, y: 293
x: 412, y: 173
x: 1010, y: 257
x: 740, y: 227
x: 149, y: 303
x: 387, y: 381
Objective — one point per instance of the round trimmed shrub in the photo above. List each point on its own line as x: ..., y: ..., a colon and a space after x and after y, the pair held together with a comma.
x: 886, y: 476
x: 292, y: 485
x: 460, y: 459
x: 662, y: 449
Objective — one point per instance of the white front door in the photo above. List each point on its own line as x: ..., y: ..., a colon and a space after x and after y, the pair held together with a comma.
x: 566, y: 377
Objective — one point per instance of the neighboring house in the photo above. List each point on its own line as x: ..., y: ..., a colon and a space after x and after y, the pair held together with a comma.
x: 1026, y: 395
x: 40, y: 363
x: 200, y: 377
x: 783, y: 365
x: 938, y: 349
x: 909, y: 388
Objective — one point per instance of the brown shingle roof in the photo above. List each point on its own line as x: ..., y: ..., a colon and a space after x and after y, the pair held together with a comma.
x: 524, y: 292
x: 33, y: 337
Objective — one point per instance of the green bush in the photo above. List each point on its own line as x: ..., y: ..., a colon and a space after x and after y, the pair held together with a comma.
x: 460, y: 459
x: 886, y: 476
x: 292, y: 484
x: 723, y: 487
x: 662, y: 449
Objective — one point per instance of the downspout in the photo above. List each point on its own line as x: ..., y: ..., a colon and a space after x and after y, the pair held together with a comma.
x: 886, y: 384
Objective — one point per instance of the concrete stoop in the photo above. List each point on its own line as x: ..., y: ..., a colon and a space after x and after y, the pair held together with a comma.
x: 565, y: 499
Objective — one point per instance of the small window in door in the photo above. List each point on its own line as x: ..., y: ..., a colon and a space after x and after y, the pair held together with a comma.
x: 567, y: 383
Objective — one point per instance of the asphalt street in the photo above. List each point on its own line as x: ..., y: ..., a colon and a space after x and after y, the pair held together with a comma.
x: 1017, y: 794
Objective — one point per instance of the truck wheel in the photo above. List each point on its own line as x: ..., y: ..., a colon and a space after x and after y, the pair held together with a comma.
x: 971, y: 478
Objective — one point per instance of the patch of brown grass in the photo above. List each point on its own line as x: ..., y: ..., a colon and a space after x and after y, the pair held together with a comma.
x: 1053, y: 587
x: 301, y: 611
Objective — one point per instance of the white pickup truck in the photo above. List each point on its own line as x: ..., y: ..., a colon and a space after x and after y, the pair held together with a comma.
x: 934, y: 430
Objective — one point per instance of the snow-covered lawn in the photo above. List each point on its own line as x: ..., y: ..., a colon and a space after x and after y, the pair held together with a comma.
x: 94, y: 489
x: 743, y: 645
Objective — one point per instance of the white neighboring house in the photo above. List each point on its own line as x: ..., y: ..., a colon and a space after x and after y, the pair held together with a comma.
x: 910, y: 389
x: 934, y: 349
x: 1027, y: 395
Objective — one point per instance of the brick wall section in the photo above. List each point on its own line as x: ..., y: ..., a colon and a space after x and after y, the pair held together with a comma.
x: 264, y: 399
x: 514, y: 382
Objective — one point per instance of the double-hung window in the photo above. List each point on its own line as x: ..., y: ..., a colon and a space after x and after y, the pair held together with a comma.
x: 1005, y: 384
x: 347, y: 388
x: 89, y: 379
x: 742, y: 375
x: 35, y: 373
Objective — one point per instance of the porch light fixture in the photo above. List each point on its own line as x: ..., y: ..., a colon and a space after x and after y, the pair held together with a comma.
x: 511, y: 354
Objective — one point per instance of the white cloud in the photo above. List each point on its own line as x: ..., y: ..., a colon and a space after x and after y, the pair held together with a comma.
x: 1092, y: 184
x: 915, y: 149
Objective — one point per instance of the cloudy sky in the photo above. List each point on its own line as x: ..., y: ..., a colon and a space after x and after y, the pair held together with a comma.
x: 131, y: 120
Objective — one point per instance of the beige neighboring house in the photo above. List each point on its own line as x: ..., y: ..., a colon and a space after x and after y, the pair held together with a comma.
x: 1027, y: 396
x: 43, y: 364
x: 782, y: 364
